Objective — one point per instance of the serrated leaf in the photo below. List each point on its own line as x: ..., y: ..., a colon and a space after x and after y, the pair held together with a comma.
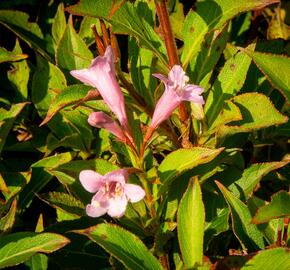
x: 276, y: 69
x: 123, y: 245
x: 257, y: 111
x: 125, y: 20
x: 7, y: 56
x: 18, y: 22
x: 58, y: 25
x: 182, y: 160
x: 7, y: 119
x: 279, y: 207
x: 201, y: 66
x: 274, y: 259
x: 211, y: 15
x: 7, y: 222
x: 19, y: 76
x: 141, y: 72
x: 68, y: 96
x: 72, y: 52
x: 40, y: 171
x: 248, y: 234
x: 48, y: 80
x: 244, y: 186
x: 190, y: 226
x: 228, y: 83
x: 229, y: 113
x: 65, y: 202
x: 19, y: 247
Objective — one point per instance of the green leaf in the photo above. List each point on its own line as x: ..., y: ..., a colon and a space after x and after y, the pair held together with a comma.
x: 14, y: 182
x: 279, y: 207
x: 65, y: 202
x: 228, y: 83
x: 269, y: 64
x: 274, y: 259
x: 59, y: 24
x: 7, y: 222
x: 48, y: 80
x: 40, y: 176
x: 19, y: 247
x: 6, y: 56
x: 37, y: 262
x: 123, y: 245
x: 201, y: 66
x: 182, y: 160
x: 68, y: 96
x: 18, y: 22
x: 217, y: 225
x: 19, y: 76
x: 248, y: 234
x: 190, y: 226
x: 211, y: 15
x: 245, y: 185
x: 72, y: 52
x: 257, y: 111
x: 126, y: 19
x: 7, y: 119
x: 141, y: 72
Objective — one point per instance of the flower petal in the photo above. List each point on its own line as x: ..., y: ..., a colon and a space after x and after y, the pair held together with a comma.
x: 95, y: 211
x: 102, y: 120
x: 91, y: 180
x: 119, y: 176
x: 168, y: 102
x: 134, y: 192
x: 101, y: 74
x: 161, y: 77
x: 117, y: 206
x: 177, y: 76
x: 193, y: 94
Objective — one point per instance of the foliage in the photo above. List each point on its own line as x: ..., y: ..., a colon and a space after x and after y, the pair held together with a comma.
x: 216, y: 176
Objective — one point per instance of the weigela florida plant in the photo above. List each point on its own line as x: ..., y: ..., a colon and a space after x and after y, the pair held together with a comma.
x: 113, y: 194
x: 168, y: 147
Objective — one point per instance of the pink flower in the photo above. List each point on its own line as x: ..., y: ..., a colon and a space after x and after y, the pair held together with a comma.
x: 176, y: 90
x: 101, y: 75
x: 102, y: 120
x: 112, y: 192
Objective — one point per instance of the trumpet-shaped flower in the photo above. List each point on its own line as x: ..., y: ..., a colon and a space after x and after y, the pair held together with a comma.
x: 112, y: 192
x: 102, y: 120
x: 177, y: 90
x: 101, y: 75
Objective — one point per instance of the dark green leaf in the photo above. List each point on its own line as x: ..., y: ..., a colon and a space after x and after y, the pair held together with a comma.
x: 123, y: 245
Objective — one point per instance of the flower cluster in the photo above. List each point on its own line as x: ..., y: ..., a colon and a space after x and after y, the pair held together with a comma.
x: 112, y: 191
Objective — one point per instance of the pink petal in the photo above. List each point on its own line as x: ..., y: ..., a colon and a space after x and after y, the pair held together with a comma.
x: 119, y: 176
x: 91, y: 180
x: 101, y: 74
x: 161, y: 77
x: 117, y: 206
x: 168, y: 102
x: 134, y: 192
x: 95, y: 211
x: 102, y: 120
x: 193, y: 94
x: 177, y: 76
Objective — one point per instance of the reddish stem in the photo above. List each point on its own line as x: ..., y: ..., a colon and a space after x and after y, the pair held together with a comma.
x: 99, y: 42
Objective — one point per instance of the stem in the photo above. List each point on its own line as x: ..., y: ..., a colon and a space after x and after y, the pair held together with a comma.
x: 163, y: 16
x: 99, y: 42
x: 105, y: 33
